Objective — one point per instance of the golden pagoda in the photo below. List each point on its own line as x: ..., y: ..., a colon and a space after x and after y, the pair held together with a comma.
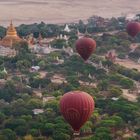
x: 11, y: 37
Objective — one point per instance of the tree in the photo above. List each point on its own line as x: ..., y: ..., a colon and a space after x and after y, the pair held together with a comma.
x: 8, y: 134
x: 115, y: 91
x: 22, y: 48
x: 87, y: 128
x: 81, y: 26
x: 60, y: 136
x: 107, y: 123
x: 138, y: 131
x: 102, y: 136
x: 34, y: 103
x: 2, y: 32
x: 118, y: 121
x: 73, y: 81
x: 14, y: 123
x: 21, y: 130
x: 34, y: 132
x: 2, y: 117
x: 48, y: 129
x: 8, y: 92
x: 126, y: 83
x: 136, y: 54
x: 53, y: 104
x: 23, y: 65
x: 59, y: 43
x: 103, y: 85
x: 102, y: 129
x: 42, y: 64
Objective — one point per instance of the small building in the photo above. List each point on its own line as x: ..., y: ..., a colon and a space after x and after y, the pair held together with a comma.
x: 38, y: 111
x: 115, y: 98
x: 35, y: 68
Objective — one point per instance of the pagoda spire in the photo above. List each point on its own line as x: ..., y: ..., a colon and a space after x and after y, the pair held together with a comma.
x: 11, y: 30
x: 11, y: 23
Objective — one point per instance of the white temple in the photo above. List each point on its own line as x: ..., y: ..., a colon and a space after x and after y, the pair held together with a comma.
x: 67, y: 29
x: 89, y: 76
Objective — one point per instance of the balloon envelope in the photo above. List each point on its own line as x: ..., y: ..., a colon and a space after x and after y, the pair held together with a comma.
x: 133, y: 28
x: 76, y: 107
x: 85, y: 47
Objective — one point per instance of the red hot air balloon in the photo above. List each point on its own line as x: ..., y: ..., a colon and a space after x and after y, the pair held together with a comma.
x: 85, y: 47
x: 133, y: 28
x: 76, y: 107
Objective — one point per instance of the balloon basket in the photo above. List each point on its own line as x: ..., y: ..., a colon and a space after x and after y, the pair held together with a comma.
x: 76, y: 133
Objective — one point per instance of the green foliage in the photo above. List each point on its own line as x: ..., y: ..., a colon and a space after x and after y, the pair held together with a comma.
x: 59, y: 43
x: 23, y: 65
x: 34, y: 103
x: 115, y: 91
x: 109, y: 118
x: 102, y: 129
x: 34, y: 132
x: 48, y: 129
x: 53, y: 104
x: 103, y: 85
x: 8, y: 92
x: 136, y: 54
x: 2, y: 32
x: 60, y: 136
x: 126, y: 83
x: 8, y: 134
x: 138, y: 131
x: 101, y: 136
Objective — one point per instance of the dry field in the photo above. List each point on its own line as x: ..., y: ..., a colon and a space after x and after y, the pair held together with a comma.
x: 129, y: 64
x: 62, y: 11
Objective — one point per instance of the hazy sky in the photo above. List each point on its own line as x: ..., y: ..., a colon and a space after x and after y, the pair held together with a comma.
x: 60, y: 11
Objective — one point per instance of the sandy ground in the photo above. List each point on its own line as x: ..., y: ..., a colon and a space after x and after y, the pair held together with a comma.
x: 128, y: 64
x: 62, y: 11
x: 42, y: 74
x: 129, y: 97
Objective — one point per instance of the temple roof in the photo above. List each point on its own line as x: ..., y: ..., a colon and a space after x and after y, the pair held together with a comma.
x: 11, y: 36
x: 11, y: 31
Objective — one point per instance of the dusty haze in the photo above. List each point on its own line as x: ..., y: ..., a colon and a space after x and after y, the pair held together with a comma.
x: 62, y: 11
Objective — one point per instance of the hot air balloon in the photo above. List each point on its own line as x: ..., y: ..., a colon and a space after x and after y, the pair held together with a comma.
x: 85, y: 47
x: 133, y: 28
x: 76, y: 107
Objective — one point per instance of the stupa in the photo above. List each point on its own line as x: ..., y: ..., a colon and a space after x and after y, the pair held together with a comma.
x: 11, y: 37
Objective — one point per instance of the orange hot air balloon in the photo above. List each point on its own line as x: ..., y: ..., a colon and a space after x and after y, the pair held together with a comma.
x: 85, y: 47
x: 133, y: 28
x: 76, y: 107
